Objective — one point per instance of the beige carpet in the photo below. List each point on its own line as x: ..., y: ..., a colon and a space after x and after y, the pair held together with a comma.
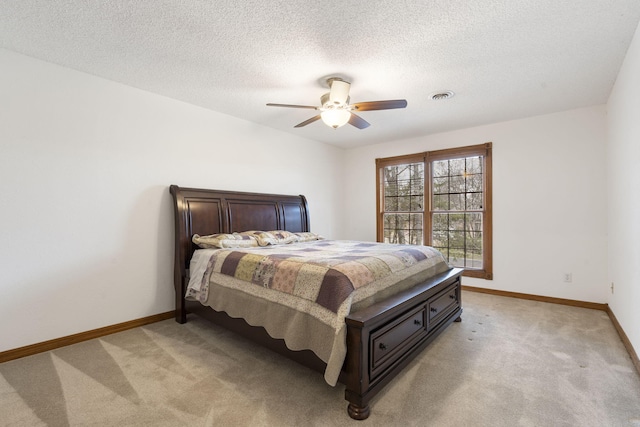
x: 509, y: 363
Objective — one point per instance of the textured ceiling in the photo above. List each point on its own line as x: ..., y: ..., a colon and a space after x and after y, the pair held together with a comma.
x: 504, y: 59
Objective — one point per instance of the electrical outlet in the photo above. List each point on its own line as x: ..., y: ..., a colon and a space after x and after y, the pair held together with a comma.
x: 567, y: 277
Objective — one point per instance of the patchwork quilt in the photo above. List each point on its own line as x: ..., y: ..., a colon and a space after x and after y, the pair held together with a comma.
x: 302, y: 292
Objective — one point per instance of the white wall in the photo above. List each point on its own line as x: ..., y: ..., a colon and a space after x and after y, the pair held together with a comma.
x: 623, y: 164
x: 87, y: 221
x: 548, y: 212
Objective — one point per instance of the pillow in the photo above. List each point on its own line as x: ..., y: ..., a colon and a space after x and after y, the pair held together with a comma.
x: 215, y: 241
x: 307, y: 236
x: 275, y: 237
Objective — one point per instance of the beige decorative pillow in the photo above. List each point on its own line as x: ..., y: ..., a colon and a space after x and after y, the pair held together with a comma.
x: 308, y: 236
x: 215, y: 241
x: 275, y: 237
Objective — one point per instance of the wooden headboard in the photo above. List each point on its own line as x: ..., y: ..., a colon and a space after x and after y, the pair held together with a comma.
x: 200, y: 211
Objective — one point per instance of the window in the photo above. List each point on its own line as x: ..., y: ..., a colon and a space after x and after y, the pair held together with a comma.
x: 441, y: 199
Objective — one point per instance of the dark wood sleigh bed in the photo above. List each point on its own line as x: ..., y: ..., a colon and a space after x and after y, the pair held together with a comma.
x: 381, y: 339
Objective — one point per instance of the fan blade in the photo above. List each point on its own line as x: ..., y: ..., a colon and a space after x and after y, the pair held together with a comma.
x: 339, y: 91
x: 292, y: 106
x: 379, y: 105
x: 358, y: 122
x: 306, y: 122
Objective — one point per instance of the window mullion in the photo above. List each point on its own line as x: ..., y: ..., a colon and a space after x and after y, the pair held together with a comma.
x: 426, y: 190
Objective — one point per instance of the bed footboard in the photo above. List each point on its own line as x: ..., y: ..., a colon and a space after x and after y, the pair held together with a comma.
x: 384, y: 338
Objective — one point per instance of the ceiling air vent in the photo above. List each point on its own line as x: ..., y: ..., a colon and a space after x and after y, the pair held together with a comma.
x: 440, y: 96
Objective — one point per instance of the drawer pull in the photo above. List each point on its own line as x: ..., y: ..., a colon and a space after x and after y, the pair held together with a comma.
x: 452, y: 296
x: 434, y: 310
x: 417, y: 322
x: 382, y: 346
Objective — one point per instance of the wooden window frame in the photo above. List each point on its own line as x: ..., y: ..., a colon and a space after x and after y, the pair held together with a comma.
x: 427, y: 157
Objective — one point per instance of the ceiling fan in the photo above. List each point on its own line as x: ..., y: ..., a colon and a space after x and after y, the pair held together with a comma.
x: 335, y: 109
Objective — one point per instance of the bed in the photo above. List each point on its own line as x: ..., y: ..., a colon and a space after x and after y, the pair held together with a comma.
x: 380, y: 337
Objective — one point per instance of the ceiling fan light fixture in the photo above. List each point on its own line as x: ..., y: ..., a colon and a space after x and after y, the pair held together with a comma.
x: 335, y: 117
x: 335, y: 108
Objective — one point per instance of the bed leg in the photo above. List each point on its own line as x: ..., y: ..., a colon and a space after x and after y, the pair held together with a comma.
x: 357, y: 412
x: 181, y: 310
x: 181, y: 316
x: 459, y: 319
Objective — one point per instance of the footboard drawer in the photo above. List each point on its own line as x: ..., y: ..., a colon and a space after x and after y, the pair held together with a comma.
x: 443, y: 304
x: 391, y: 340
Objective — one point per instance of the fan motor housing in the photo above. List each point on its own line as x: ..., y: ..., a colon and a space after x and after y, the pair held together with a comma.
x: 326, y: 103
